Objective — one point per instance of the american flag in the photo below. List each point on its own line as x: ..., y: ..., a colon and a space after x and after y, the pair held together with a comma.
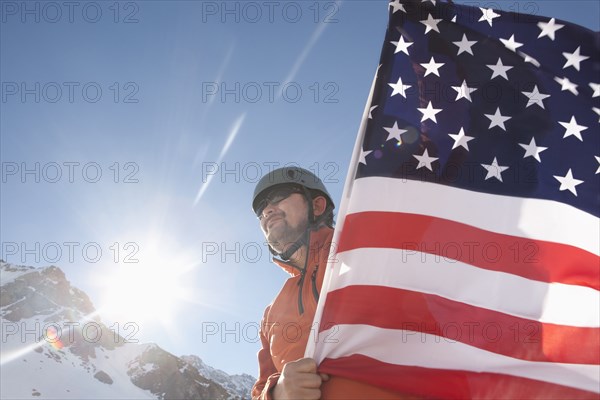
x: 466, y: 257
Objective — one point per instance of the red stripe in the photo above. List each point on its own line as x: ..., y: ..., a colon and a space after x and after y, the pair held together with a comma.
x: 393, y: 308
x: 528, y: 258
x: 440, y: 383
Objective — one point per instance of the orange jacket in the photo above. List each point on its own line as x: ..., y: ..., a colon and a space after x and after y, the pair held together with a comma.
x: 287, y: 322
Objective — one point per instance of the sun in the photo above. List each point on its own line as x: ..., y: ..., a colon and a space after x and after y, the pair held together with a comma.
x: 146, y: 288
x: 139, y: 293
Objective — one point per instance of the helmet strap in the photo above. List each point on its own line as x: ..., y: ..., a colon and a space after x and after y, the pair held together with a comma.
x: 285, y: 256
x: 311, y: 211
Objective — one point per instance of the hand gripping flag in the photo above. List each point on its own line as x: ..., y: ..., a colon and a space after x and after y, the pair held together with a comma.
x: 466, y: 257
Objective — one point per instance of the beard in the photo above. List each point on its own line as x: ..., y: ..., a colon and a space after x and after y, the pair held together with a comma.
x: 281, y: 234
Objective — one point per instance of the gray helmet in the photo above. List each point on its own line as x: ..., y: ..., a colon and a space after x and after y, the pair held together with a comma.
x: 289, y: 175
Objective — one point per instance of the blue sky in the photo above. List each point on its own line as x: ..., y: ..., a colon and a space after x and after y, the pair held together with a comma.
x: 149, y: 123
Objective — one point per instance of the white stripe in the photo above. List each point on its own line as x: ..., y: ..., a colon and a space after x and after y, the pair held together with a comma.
x: 429, y: 351
x: 533, y: 218
x: 555, y: 303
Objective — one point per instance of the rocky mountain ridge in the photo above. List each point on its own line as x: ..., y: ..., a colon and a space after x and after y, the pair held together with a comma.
x: 238, y: 384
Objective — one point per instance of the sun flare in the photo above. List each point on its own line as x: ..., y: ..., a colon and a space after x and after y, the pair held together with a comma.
x: 149, y: 288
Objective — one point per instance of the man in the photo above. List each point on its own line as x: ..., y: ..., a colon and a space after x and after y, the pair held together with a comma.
x: 296, y: 216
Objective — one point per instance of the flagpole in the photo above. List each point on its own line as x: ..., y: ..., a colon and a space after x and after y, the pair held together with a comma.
x: 332, y: 261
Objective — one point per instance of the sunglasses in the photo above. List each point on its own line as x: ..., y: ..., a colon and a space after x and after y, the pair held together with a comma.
x: 274, y: 197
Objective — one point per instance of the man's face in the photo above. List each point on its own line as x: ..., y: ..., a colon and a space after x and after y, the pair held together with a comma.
x: 283, y: 223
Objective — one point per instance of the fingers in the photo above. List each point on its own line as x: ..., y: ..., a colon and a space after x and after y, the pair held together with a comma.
x: 308, y: 380
x: 299, y: 380
x: 308, y: 365
x: 303, y: 372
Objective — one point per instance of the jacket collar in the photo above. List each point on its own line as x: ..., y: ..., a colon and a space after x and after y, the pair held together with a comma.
x: 320, y: 241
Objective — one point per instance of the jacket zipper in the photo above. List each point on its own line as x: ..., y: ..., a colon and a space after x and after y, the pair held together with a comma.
x: 313, y: 279
x: 301, y: 283
x: 300, y: 286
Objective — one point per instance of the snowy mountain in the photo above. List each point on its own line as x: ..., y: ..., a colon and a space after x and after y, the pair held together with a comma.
x: 240, y: 385
x: 55, y: 346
